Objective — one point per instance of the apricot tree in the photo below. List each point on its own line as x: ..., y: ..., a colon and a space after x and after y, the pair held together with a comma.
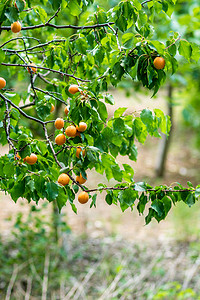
x: 66, y: 54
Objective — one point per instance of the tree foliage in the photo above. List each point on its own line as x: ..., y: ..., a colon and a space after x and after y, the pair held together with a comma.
x: 76, y: 42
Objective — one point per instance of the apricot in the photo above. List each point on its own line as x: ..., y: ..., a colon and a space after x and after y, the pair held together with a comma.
x: 60, y: 139
x: 82, y: 126
x: 31, y: 160
x: 52, y: 108
x: 83, y: 197
x: 159, y: 63
x: 73, y: 89
x: 59, y: 123
x: 70, y: 131
x: 2, y: 83
x: 80, y: 179
x: 16, y: 27
x: 63, y: 179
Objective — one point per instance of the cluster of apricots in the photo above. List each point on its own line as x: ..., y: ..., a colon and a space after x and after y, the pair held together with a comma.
x: 71, y: 131
x: 64, y: 179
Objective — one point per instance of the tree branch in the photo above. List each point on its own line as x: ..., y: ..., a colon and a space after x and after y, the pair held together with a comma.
x: 48, y: 69
x: 8, y: 28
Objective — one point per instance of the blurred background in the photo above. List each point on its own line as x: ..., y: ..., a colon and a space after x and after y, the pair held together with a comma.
x: 102, y: 253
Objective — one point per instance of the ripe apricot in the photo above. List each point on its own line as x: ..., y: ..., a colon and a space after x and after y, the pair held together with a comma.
x: 73, y: 89
x: 78, y: 151
x: 66, y: 111
x: 16, y: 27
x: 159, y: 63
x: 31, y: 160
x: 70, y: 131
x: 2, y: 83
x: 60, y: 139
x: 52, y: 108
x: 83, y: 197
x: 16, y: 4
x: 59, y: 123
x: 82, y: 126
x: 17, y: 157
x: 63, y: 179
x: 80, y: 179
x: 32, y: 68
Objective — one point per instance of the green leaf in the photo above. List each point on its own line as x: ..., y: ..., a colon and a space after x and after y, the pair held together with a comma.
x: 74, y: 8
x: 109, y: 99
x: 119, y: 112
x: 197, y: 192
x: 127, y: 196
x: 12, y: 14
x: 118, y: 126
x: 102, y: 110
x: 52, y: 191
x: 109, y: 199
x: 20, y: 5
x: 81, y: 45
x: 41, y: 14
x: 190, y: 200
x: 121, y: 23
x: 140, y: 130
x: 9, y: 170
x: 185, y: 49
x: 140, y: 186
x: 157, y: 205
x: 160, y: 47
x: 142, y: 203
x: 17, y: 190
x: 2, y: 55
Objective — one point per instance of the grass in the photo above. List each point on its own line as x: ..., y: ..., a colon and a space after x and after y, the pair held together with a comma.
x: 35, y: 266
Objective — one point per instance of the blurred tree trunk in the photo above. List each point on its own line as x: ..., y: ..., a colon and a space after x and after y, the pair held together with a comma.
x: 165, y: 142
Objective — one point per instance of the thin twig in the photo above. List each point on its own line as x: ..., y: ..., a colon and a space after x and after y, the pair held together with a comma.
x: 48, y: 69
x: 176, y: 40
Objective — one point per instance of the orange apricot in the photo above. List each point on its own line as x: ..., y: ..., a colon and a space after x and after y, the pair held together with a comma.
x: 70, y: 131
x: 16, y: 27
x: 63, y: 179
x: 31, y: 160
x: 2, y: 83
x: 159, y: 63
x: 83, y: 197
x: 60, y: 139
x: 73, y: 89
x: 80, y: 179
x: 59, y: 123
x: 82, y: 126
x: 52, y: 108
